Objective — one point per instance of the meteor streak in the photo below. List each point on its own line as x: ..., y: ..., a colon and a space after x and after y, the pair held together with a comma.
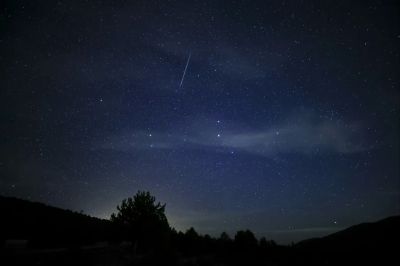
x: 184, y: 71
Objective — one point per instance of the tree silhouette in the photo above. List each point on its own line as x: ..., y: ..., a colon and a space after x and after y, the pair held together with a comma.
x: 245, y: 240
x: 145, y: 220
x: 264, y: 243
x: 225, y: 237
x: 191, y: 241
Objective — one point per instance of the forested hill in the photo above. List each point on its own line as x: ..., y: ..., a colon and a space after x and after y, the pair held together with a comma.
x: 47, y: 226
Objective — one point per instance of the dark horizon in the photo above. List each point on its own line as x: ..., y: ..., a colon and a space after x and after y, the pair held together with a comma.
x: 308, y: 233
x: 277, y: 116
x: 48, y: 212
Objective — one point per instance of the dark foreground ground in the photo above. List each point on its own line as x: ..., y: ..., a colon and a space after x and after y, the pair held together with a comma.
x: 108, y: 255
x: 36, y: 234
x: 123, y: 255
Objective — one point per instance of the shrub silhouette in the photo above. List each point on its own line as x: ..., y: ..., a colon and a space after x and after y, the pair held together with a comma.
x: 145, y: 221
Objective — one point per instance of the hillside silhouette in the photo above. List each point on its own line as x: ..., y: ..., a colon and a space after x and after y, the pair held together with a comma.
x: 362, y: 236
x: 139, y: 234
x: 48, y: 227
x: 363, y: 243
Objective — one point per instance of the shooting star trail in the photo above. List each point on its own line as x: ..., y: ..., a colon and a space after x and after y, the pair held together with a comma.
x: 184, y: 71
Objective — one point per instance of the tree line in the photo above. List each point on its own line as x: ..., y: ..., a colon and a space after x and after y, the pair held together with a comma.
x: 142, y: 221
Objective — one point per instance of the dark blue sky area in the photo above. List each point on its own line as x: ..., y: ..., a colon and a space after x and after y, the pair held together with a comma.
x: 286, y: 121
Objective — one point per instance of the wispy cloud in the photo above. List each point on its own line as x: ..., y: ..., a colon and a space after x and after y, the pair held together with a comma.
x: 302, y: 138
x: 301, y: 135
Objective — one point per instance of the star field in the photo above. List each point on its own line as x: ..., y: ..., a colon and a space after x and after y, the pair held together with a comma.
x: 277, y: 116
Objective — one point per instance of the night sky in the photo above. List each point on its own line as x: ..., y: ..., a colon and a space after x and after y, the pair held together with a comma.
x: 277, y: 116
